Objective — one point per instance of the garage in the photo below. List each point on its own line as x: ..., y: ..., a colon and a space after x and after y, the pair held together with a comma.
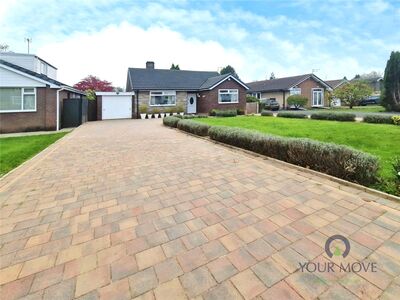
x: 113, y: 105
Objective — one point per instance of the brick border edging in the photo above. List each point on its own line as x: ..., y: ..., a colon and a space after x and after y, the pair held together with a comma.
x: 300, y: 168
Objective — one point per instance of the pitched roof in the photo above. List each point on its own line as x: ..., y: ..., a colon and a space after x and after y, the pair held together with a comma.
x: 280, y: 84
x: 335, y: 82
x: 41, y: 77
x: 210, y: 82
x: 159, y: 79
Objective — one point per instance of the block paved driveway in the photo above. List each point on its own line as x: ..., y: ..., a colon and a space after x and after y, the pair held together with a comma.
x: 125, y: 209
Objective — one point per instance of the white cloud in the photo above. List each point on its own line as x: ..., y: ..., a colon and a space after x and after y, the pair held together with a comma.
x: 109, y: 52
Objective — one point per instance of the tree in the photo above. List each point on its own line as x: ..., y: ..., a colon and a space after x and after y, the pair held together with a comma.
x: 352, y: 93
x: 229, y: 70
x: 297, y: 101
x: 4, y: 47
x: 391, y: 83
x: 272, y: 76
x: 118, y: 89
x: 174, y: 67
x: 91, y: 83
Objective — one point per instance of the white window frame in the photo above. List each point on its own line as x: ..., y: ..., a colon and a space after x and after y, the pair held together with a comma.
x: 322, y: 97
x: 295, y: 91
x: 161, y: 93
x: 228, y: 91
x: 22, y: 100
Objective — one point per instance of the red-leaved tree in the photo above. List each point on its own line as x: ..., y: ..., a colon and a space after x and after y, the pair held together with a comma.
x: 94, y: 83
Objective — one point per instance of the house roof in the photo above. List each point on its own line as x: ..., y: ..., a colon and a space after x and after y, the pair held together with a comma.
x: 161, y: 79
x: 334, y: 83
x: 281, y: 84
x: 40, y: 77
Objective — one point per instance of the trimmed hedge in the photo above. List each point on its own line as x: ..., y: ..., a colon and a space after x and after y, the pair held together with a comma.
x: 191, y: 116
x: 336, y: 160
x: 193, y: 127
x: 267, y: 113
x: 331, y: 116
x: 224, y: 113
x: 288, y: 114
x: 396, y: 120
x: 379, y: 119
x: 171, y: 121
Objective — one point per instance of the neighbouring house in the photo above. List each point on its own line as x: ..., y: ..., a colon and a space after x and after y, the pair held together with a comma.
x: 335, y: 83
x: 279, y: 89
x: 31, y: 98
x: 193, y: 92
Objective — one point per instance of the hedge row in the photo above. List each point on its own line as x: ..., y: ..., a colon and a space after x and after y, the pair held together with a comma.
x: 267, y: 113
x: 224, y: 113
x: 336, y: 160
x: 334, y: 116
x: 380, y: 119
x: 171, y: 121
x: 288, y: 114
x: 191, y: 116
x: 193, y: 127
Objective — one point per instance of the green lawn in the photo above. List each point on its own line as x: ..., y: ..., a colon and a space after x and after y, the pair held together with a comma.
x: 15, y: 150
x: 366, y: 109
x: 379, y: 139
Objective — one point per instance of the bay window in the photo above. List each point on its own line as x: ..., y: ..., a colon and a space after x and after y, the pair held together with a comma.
x: 162, y: 98
x: 17, y: 99
x: 228, y: 96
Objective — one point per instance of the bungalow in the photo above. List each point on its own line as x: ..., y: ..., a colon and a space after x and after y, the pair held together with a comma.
x: 30, y: 96
x: 192, y: 91
x: 335, y: 83
x: 279, y: 89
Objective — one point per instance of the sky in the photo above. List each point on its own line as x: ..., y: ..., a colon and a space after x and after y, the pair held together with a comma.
x: 332, y: 38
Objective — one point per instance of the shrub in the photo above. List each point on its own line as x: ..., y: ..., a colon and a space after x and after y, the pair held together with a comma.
x: 297, y: 101
x: 267, y: 113
x: 250, y: 99
x: 180, y: 108
x: 396, y: 120
x: 143, y: 108
x: 193, y: 127
x: 381, y: 119
x: 190, y: 116
x: 171, y: 121
x: 288, y: 114
x: 343, y: 117
x: 224, y: 113
x: 240, y: 112
x: 336, y: 160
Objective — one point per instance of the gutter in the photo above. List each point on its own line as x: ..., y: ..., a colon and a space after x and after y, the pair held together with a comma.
x: 58, y: 109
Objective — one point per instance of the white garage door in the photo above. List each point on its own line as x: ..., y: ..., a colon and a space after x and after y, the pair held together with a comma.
x: 116, y: 107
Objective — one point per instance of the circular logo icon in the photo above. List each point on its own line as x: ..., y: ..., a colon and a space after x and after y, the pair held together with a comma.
x: 337, y: 251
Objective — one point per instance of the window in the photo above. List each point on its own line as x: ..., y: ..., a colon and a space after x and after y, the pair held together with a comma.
x: 257, y: 95
x: 295, y: 91
x: 162, y: 98
x: 17, y: 99
x: 228, y: 96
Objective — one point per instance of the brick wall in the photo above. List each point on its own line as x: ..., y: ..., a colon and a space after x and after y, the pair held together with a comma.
x: 209, y: 99
x: 43, y: 119
x: 181, y: 99
x: 306, y: 90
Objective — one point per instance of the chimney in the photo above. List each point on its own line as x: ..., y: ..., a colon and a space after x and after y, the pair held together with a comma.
x: 150, y: 65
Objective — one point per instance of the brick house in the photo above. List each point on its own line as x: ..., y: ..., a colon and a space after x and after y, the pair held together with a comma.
x: 194, y: 92
x: 279, y: 89
x: 31, y: 98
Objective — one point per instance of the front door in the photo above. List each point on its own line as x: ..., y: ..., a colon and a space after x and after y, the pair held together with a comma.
x: 191, y: 104
x: 317, y: 97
